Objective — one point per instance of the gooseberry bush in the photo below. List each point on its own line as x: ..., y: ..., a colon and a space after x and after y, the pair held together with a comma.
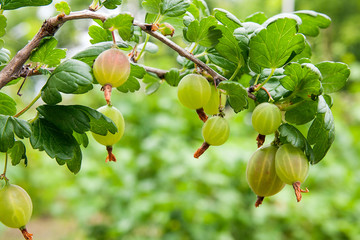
x: 226, y: 64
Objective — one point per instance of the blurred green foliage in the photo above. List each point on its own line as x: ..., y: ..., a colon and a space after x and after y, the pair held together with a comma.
x: 156, y: 189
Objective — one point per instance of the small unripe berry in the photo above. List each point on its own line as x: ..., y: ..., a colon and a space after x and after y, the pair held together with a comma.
x: 291, y: 164
x: 261, y: 173
x: 216, y: 131
x: 194, y: 91
x: 212, y: 107
x: 115, y: 115
x: 15, y: 206
x: 292, y: 167
x: 266, y: 118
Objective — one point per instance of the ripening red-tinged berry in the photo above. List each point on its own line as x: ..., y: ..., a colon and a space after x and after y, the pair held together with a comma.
x: 111, y: 69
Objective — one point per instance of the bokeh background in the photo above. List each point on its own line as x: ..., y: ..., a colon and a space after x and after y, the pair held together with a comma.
x: 156, y: 189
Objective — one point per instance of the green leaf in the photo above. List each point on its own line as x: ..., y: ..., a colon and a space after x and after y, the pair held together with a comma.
x: 63, y: 7
x: 8, y: 127
x: 228, y: 46
x: 17, y: 153
x: 81, y: 138
x: 274, y: 45
x: 14, y: 4
x: 215, y: 57
x: 7, y: 105
x: 77, y: 118
x: 201, y: 7
x: 152, y: 83
x: 68, y: 77
x: 227, y: 19
x: 321, y: 133
x: 47, y: 54
x: 304, y: 112
x: 74, y: 163
x: 99, y: 34
x: 237, y: 95
x: 132, y: 84
x: 3, y: 25
x: 122, y: 22
x: 258, y: 17
x: 152, y: 6
x: 174, y: 8
x: 334, y: 75
x: 312, y: 21
x: 89, y: 54
x: 290, y: 134
x: 302, y: 79
x: 305, y: 54
x: 204, y: 33
x: 4, y: 56
x: 112, y: 4
x: 172, y: 77
x: 55, y: 142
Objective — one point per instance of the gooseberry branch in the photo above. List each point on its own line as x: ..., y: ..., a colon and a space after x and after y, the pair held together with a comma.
x: 15, y: 68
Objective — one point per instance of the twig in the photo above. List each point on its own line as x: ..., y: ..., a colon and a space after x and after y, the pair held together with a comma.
x: 48, y: 28
x: 182, y: 52
x: 159, y: 72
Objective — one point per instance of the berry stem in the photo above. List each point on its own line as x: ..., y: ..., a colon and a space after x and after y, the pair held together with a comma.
x: 111, y: 157
x: 259, y: 201
x: 202, y: 115
x: 236, y: 72
x: 107, y: 93
x: 267, y: 92
x: 143, y: 48
x: 260, y: 140
x: 26, y: 234
x: 298, y: 190
x: 201, y: 149
x: 3, y: 176
x: 28, y: 106
x: 267, y: 79
x: 113, y: 37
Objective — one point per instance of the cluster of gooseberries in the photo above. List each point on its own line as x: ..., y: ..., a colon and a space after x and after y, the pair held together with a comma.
x: 111, y: 69
x: 273, y: 166
x: 195, y: 92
